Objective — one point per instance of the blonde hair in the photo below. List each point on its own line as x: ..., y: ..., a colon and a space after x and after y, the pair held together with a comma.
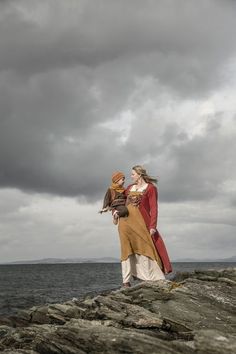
x: 143, y: 173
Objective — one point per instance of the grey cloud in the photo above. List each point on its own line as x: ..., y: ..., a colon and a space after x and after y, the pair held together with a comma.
x: 10, y: 203
x: 190, y: 168
x: 69, y: 68
x: 5, y: 242
x: 184, y: 43
x: 198, y: 166
x: 233, y: 202
x: 203, y: 241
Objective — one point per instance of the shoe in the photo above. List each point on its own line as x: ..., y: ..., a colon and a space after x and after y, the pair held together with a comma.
x: 126, y: 285
x: 115, y: 221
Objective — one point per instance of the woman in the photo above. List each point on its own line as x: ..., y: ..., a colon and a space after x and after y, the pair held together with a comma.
x: 143, y: 253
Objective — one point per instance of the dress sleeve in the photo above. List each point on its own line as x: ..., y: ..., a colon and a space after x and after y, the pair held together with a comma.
x: 107, y: 199
x: 153, y: 203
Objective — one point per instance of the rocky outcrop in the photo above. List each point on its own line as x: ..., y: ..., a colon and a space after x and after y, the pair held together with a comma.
x: 194, y: 313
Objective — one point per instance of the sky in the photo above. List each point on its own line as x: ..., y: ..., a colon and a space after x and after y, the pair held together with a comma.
x: 88, y: 87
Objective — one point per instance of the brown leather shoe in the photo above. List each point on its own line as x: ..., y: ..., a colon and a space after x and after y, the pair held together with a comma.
x: 126, y: 285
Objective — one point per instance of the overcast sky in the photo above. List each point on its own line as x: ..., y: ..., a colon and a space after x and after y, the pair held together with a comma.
x: 88, y: 87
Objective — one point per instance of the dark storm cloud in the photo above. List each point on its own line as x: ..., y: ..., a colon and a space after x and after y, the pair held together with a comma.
x: 185, y: 42
x: 65, y: 68
x: 200, y: 165
x: 191, y: 167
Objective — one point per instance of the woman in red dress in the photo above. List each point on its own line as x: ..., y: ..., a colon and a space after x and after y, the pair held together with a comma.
x: 143, y: 253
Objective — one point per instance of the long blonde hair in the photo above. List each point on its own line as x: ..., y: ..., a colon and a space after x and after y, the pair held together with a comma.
x: 143, y: 173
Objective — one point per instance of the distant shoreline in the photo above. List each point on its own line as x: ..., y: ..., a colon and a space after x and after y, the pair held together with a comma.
x: 76, y: 260
x: 109, y: 262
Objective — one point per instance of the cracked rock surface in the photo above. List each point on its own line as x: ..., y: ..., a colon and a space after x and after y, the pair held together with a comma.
x: 195, y: 313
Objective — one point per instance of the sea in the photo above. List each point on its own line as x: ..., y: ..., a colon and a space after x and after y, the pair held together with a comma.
x: 25, y: 285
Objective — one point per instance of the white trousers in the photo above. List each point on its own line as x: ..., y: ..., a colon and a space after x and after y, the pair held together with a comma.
x: 141, y: 267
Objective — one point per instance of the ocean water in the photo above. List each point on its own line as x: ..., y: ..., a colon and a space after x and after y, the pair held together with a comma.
x: 26, y: 285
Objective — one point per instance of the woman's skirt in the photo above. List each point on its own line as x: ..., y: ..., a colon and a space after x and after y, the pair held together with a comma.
x: 139, y: 257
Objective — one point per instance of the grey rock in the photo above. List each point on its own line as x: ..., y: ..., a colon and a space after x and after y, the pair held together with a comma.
x: 212, y: 341
x: 194, y: 313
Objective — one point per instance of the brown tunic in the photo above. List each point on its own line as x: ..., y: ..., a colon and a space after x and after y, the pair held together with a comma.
x: 135, y: 237
x: 113, y: 198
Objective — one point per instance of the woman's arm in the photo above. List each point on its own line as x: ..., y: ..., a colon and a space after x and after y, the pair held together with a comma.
x: 153, y: 199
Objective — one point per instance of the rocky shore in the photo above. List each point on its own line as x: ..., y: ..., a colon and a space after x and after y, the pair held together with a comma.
x: 194, y: 313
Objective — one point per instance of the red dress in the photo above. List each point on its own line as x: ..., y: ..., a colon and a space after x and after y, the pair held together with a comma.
x: 149, y: 209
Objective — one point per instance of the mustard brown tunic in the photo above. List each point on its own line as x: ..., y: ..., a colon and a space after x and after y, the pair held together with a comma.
x: 135, y: 238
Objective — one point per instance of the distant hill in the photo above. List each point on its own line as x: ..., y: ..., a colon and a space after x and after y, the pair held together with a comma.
x: 66, y: 260
x: 230, y: 259
x: 110, y: 260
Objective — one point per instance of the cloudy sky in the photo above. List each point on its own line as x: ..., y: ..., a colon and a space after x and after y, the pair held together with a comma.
x: 92, y: 86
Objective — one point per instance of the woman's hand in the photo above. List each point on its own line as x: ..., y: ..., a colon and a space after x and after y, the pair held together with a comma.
x: 152, y: 231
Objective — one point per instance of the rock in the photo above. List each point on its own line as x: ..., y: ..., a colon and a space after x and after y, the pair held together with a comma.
x: 193, y: 313
x: 18, y: 351
x: 212, y: 341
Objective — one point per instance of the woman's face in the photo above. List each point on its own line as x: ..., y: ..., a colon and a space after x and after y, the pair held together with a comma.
x: 134, y: 176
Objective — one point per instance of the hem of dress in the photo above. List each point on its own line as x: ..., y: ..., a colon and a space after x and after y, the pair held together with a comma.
x: 141, y: 254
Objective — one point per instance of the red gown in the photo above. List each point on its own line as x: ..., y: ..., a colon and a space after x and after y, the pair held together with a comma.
x: 149, y: 209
